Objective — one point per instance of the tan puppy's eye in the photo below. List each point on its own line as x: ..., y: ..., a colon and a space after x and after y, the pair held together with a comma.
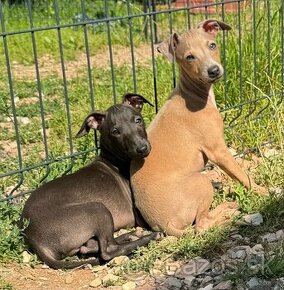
x: 190, y: 57
x: 212, y: 46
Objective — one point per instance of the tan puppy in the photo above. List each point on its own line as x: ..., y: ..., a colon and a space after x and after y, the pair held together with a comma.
x: 169, y: 189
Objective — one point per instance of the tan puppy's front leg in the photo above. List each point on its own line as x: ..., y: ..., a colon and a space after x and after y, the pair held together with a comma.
x: 224, y: 159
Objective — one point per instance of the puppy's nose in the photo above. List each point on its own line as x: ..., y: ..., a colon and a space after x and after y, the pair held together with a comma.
x: 213, y: 71
x: 142, y: 149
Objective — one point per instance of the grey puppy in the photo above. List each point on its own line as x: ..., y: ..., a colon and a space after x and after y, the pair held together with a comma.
x: 78, y: 213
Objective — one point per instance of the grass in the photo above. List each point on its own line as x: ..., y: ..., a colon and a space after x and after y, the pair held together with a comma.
x: 5, y: 286
x: 250, y: 99
x: 11, y: 241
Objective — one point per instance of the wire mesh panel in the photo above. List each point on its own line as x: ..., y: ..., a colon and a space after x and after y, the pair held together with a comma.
x: 62, y: 59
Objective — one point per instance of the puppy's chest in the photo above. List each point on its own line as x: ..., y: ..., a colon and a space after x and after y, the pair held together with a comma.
x: 204, y: 124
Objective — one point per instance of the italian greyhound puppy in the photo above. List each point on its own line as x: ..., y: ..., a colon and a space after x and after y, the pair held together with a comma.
x: 78, y: 213
x: 169, y: 189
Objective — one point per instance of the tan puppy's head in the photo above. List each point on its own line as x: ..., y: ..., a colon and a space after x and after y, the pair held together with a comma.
x: 196, y: 51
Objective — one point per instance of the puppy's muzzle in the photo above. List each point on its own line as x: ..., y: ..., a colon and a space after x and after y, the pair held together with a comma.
x: 214, y: 72
x: 144, y: 149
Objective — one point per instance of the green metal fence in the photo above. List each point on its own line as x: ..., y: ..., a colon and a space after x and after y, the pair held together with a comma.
x: 41, y: 40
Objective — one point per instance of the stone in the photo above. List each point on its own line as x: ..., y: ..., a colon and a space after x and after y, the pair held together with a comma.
x: 218, y: 266
x: 254, y: 219
x: 239, y: 252
x: 231, y: 266
x: 253, y: 282
x: 195, y: 267
x: 155, y: 272
x: 69, y: 279
x: 224, y: 285
x: 236, y: 237
x: 44, y: 266
x: 99, y: 268
x: 139, y: 232
x: 232, y: 254
x: 96, y: 283
x: 267, y: 238
x: 258, y: 248
x: 110, y: 277
x: 254, y: 269
x: 229, y: 244
x: 26, y: 257
x: 161, y: 287
x: 270, y: 152
x: 277, y: 190
x: 233, y: 151
x: 129, y: 285
x: 171, y: 268
x: 255, y: 259
x: 198, y: 281
x: 206, y: 280
x: 158, y: 264
x: 218, y: 278
x: 160, y: 279
x: 259, y: 284
x: 170, y: 272
x: 266, y: 286
x: 279, y: 284
x: 118, y: 261
x: 188, y: 281
x: 23, y: 120
x: 173, y: 283
x: 208, y: 287
x: 137, y: 277
x: 240, y: 287
x: 247, y: 240
x: 280, y: 235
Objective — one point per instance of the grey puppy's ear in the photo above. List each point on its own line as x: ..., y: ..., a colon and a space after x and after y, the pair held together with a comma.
x: 168, y: 47
x: 135, y: 100
x: 212, y: 26
x: 92, y: 121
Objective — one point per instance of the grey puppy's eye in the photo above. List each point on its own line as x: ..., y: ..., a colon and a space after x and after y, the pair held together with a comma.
x: 115, y: 131
x: 138, y: 120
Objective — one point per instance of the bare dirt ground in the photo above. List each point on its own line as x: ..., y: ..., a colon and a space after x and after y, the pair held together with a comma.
x: 23, y: 277
x: 49, y: 66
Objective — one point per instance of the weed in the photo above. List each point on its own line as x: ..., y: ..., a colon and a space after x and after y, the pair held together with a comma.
x: 250, y: 98
x: 5, y: 286
x: 11, y: 240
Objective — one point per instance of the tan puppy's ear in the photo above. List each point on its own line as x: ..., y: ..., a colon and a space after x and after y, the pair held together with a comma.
x: 135, y: 100
x: 168, y: 47
x: 212, y: 26
x: 93, y: 121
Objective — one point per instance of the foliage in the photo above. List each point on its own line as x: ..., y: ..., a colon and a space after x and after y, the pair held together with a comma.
x: 11, y: 241
x: 250, y: 97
